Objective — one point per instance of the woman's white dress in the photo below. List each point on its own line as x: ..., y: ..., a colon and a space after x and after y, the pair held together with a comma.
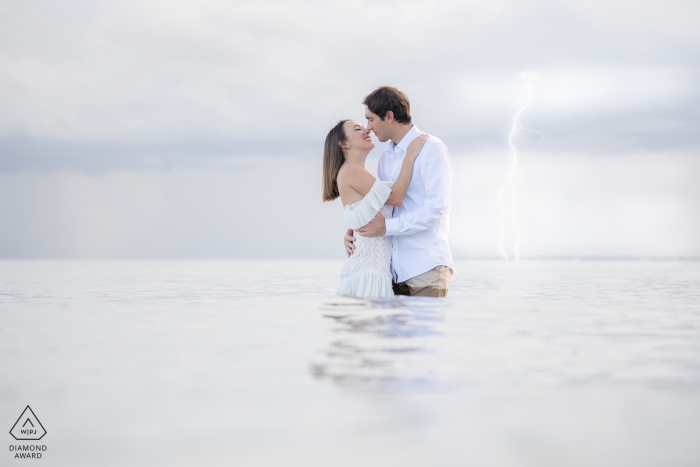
x: 367, y: 273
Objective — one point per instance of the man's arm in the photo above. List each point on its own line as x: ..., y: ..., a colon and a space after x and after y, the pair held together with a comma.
x: 436, y: 173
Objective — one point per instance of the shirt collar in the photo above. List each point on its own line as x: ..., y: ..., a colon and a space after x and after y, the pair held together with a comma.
x: 412, y: 134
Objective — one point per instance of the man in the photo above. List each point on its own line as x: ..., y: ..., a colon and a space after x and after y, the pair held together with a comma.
x: 421, y: 260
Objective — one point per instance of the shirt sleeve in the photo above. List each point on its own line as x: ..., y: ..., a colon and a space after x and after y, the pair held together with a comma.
x: 436, y: 172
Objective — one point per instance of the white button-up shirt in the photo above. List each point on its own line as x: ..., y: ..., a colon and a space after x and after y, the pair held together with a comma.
x: 420, y: 227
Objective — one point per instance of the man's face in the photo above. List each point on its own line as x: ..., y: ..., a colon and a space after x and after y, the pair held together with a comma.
x: 379, y: 127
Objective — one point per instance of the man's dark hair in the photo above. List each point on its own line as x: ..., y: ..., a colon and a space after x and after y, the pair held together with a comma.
x: 386, y: 98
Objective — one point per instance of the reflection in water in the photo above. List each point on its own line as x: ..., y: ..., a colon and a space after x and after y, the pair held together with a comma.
x: 387, y: 343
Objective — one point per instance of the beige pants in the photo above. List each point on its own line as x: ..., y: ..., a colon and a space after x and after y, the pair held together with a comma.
x: 433, y: 283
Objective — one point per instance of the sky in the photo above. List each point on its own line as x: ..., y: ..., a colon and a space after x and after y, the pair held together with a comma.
x: 194, y: 129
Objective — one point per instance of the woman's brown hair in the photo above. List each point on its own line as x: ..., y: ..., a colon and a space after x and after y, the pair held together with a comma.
x: 333, y: 159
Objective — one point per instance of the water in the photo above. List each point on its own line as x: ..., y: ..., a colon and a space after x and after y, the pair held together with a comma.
x: 179, y: 363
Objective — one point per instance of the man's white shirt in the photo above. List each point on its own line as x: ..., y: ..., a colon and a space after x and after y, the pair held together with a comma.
x: 420, y: 227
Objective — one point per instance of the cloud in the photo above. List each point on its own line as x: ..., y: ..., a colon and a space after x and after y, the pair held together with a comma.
x: 270, y: 207
x: 236, y: 75
x: 127, y: 128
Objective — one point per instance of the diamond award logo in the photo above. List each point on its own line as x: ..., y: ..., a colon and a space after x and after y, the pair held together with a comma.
x: 28, y: 427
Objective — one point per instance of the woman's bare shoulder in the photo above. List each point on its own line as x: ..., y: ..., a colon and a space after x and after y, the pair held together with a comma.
x: 351, y: 167
x: 350, y: 170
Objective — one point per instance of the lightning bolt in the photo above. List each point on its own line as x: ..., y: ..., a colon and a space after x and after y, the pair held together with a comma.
x: 508, y: 195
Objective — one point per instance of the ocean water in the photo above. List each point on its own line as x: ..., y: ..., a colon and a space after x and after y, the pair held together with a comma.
x: 256, y: 363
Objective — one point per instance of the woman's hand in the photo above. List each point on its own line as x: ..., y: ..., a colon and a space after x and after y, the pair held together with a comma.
x: 415, y: 146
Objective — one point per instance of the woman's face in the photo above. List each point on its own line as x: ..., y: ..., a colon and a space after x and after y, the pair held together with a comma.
x: 357, y: 136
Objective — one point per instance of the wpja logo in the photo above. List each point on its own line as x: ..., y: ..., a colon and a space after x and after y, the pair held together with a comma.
x: 28, y: 428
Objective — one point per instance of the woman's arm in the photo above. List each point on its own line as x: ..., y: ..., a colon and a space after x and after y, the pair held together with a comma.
x: 398, y: 191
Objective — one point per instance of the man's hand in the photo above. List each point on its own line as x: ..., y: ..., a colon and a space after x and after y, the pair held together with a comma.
x: 349, y: 243
x: 374, y: 228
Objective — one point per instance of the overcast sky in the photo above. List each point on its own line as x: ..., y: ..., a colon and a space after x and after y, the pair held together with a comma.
x: 139, y: 89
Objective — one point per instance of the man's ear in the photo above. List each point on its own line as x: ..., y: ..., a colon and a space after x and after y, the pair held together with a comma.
x: 389, y: 116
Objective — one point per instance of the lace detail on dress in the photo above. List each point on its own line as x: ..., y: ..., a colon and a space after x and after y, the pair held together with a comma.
x: 367, y: 272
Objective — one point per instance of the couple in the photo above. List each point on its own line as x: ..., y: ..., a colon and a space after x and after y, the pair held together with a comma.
x: 397, y: 224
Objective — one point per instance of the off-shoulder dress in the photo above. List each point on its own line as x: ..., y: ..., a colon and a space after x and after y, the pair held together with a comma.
x: 366, y: 273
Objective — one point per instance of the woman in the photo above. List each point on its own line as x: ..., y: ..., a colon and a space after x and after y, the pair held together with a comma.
x: 366, y: 273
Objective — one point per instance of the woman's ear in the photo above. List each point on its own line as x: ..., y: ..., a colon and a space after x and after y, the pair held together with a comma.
x: 343, y: 145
